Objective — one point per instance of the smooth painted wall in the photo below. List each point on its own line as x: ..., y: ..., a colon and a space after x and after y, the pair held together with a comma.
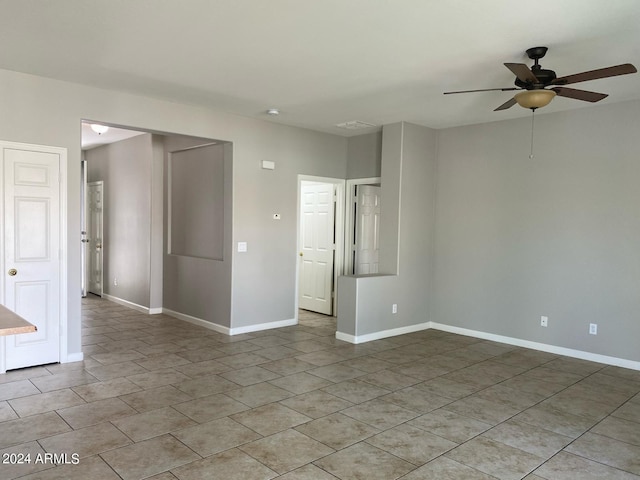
x: 125, y: 169
x: 156, y: 247
x: 364, y: 155
x: 195, y: 286
x: 406, y: 239
x: 264, y: 277
x: 49, y: 112
x: 557, y: 235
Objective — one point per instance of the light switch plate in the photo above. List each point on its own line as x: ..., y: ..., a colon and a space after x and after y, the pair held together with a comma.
x: 242, y: 247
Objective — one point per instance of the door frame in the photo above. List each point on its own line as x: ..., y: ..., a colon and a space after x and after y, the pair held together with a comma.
x: 349, y: 219
x: 90, y: 224
x: 62, y: 254
x: 84, y: 281
x: 338, y: 261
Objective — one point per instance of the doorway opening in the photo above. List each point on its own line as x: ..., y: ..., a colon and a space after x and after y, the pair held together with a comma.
x: 145, y: 177
x: 362, y: 241
x: 93, y: 240
x: 320, y: 240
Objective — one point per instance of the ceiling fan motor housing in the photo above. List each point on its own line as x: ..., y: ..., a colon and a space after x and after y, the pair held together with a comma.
x: 545, y: 77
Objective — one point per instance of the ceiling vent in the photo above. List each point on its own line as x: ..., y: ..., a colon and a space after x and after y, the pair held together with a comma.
x: 355, y: 125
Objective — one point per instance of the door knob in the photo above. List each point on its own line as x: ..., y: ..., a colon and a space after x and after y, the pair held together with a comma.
x: 301, y: 254
x: 12, y: 272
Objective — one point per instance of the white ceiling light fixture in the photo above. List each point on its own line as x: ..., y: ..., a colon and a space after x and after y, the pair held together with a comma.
x: 99, y: 129
x: 273, y: 112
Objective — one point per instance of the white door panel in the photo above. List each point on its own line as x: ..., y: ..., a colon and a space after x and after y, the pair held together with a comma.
x: 95, y: 237
x: 367, y: 229
x: 317, y: 247
x: 31, y: 247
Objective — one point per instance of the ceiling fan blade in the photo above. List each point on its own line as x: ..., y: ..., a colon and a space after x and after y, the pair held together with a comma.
x: 623, y: 69
x: 579, y: 94
x: 508, y: 104
x: 523, y: 72
x: 486, y: 90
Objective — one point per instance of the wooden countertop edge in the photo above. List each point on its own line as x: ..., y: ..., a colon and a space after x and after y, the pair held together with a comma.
x: 12, y: 324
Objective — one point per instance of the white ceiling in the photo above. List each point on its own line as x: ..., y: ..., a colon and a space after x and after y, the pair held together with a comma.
x: 91, y: 139
x: 324, y: 62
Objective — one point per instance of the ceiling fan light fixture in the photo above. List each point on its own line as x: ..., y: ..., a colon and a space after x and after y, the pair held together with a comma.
x: 534, y: 98
x: 99, y: 129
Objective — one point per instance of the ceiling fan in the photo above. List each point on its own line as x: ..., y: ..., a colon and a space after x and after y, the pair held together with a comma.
x: 534, y: 82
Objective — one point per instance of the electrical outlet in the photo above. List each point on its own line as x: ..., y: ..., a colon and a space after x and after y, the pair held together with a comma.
x: 593, y: 328
x: 115, y: 281
x: 394, y: 308
x: 543, y: 321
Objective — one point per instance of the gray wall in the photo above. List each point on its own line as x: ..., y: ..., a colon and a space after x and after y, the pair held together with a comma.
x: 481, y: 237
x: 201, y: 287
x: 264, y: 283
x: 49, y: 112
x: 406, y: 239
x: 125, y: 168
x: 364, y: 156
x: 156, y: 247
x: 392, y: 138
x: 515, y: 239
x: 195, y: 200
x: 557, y: 235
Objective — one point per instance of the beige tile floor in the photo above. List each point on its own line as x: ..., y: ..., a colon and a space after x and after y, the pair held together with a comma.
x: 159, y: 398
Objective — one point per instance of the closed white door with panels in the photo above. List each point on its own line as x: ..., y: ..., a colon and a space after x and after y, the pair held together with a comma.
x: 32, y: 263
x: 367, y: 246
x: 95, y: 237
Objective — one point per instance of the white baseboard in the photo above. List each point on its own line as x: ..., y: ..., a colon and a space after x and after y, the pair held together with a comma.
x: 73, y: 357
x: 126, y: 303
x: 197, y: 321
x: 226, y: 330
x: 3, y: 364
x: 264, y: 326
x: 569, y: 352
x: 203, y: 323
x: 383, y: 333
x: 346, y: 337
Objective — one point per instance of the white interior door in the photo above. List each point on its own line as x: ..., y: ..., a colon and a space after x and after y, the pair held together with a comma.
x: 84, y: 254
x: 32, y: 263
x: 367, y: 243
x: 317, y: 247
x: 95, y: 231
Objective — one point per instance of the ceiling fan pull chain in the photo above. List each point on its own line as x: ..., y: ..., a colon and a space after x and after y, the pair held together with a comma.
x: 533, y: 116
